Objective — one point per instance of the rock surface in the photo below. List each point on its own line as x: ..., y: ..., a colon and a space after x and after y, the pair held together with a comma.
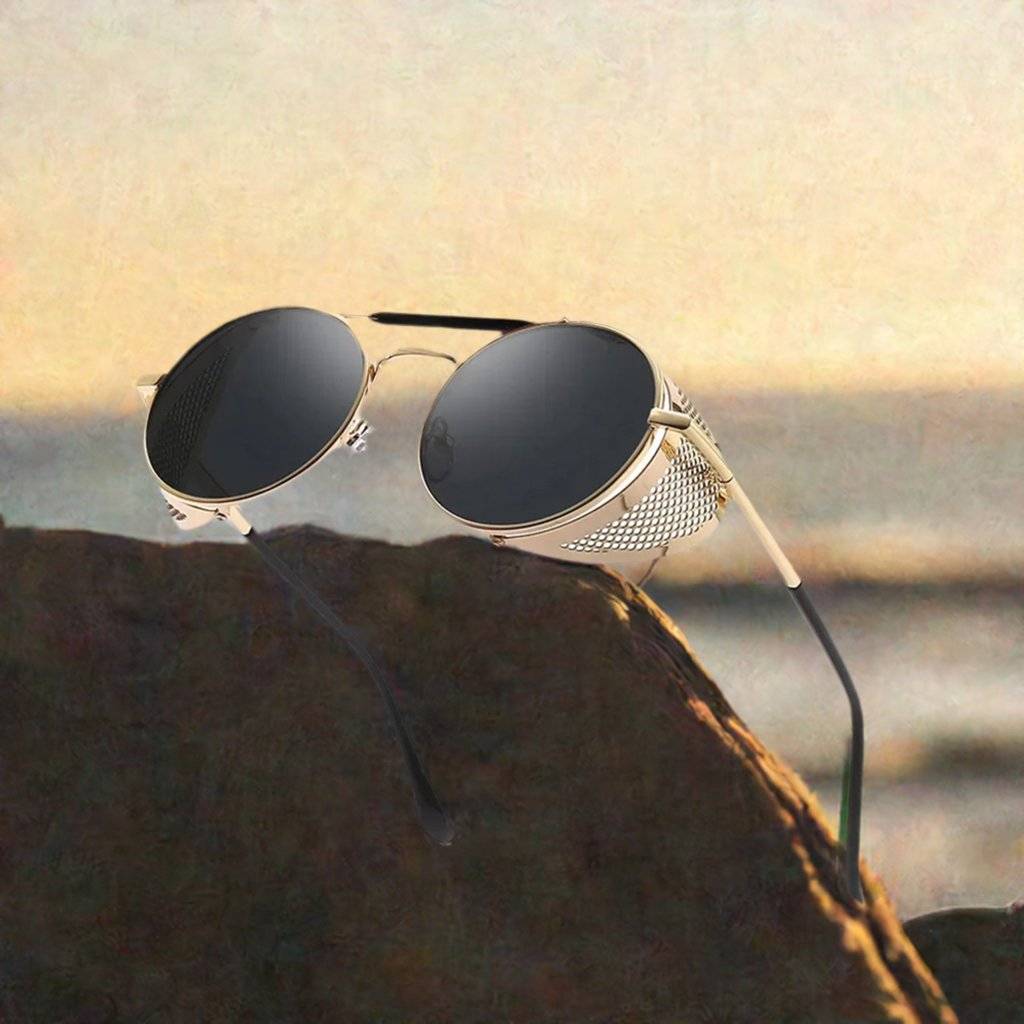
x: 977, y: 954
x: 205, y: 816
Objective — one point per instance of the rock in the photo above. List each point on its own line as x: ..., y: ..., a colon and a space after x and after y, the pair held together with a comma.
x: 977, y: 954
x: 205, y: 816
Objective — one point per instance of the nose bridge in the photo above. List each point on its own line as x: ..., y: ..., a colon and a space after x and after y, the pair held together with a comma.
x: 354, y: 438
x: 375, y: 368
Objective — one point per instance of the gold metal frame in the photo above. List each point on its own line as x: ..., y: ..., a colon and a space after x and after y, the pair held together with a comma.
x: 191, y: 512
x: 707, y: 484
x: 648, y: 464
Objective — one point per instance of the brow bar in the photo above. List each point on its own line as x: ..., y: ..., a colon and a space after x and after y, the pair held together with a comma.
x: 467, y: 323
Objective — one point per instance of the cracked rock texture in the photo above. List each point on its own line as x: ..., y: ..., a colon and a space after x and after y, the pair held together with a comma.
x: 205, y: 817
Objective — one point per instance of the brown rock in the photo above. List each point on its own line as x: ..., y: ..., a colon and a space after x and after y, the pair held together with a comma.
x: 977, y: 953
x: 205, y: 816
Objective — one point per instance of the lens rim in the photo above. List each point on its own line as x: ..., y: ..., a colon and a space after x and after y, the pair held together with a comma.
x: 631, y: 461
x: 209, y: 503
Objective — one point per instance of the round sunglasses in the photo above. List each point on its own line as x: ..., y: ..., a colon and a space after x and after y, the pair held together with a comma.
x: 555, y: 438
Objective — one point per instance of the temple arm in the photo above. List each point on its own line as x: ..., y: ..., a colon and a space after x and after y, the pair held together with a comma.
x: 853, y: 769
x: 467, y: 323
x: 432, y: 814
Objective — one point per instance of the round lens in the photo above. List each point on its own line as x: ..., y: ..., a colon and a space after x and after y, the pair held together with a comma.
x: 253, y: 402
x: 537, y: 422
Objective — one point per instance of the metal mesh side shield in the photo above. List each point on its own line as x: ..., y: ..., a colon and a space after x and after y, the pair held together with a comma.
x: 181, y: 430
x: 683, y: 500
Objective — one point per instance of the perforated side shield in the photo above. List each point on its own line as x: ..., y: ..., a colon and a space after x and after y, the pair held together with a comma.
x: 683, y: 500
x: 171, y: 449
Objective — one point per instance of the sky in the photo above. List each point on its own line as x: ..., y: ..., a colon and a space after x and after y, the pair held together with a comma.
x: 820, y: 197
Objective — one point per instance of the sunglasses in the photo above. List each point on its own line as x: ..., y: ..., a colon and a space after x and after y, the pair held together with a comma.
x: 554, y: 438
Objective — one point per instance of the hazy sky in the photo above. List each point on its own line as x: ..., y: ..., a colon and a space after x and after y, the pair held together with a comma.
x: 803, y: 195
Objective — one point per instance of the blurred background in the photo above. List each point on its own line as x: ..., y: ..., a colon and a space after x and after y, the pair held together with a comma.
x: 810, y: 214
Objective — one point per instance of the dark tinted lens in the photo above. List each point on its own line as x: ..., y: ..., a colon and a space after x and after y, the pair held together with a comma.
x: 253, y: 402
x: 536, y: 423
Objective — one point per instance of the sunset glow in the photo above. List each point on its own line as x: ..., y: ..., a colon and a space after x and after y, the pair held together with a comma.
x: 810, y: 196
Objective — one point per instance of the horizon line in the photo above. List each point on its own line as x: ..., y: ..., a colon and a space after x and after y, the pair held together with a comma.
x: 130, y: 404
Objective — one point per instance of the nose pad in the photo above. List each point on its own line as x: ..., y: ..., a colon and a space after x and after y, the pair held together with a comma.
x: 355, y: 438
